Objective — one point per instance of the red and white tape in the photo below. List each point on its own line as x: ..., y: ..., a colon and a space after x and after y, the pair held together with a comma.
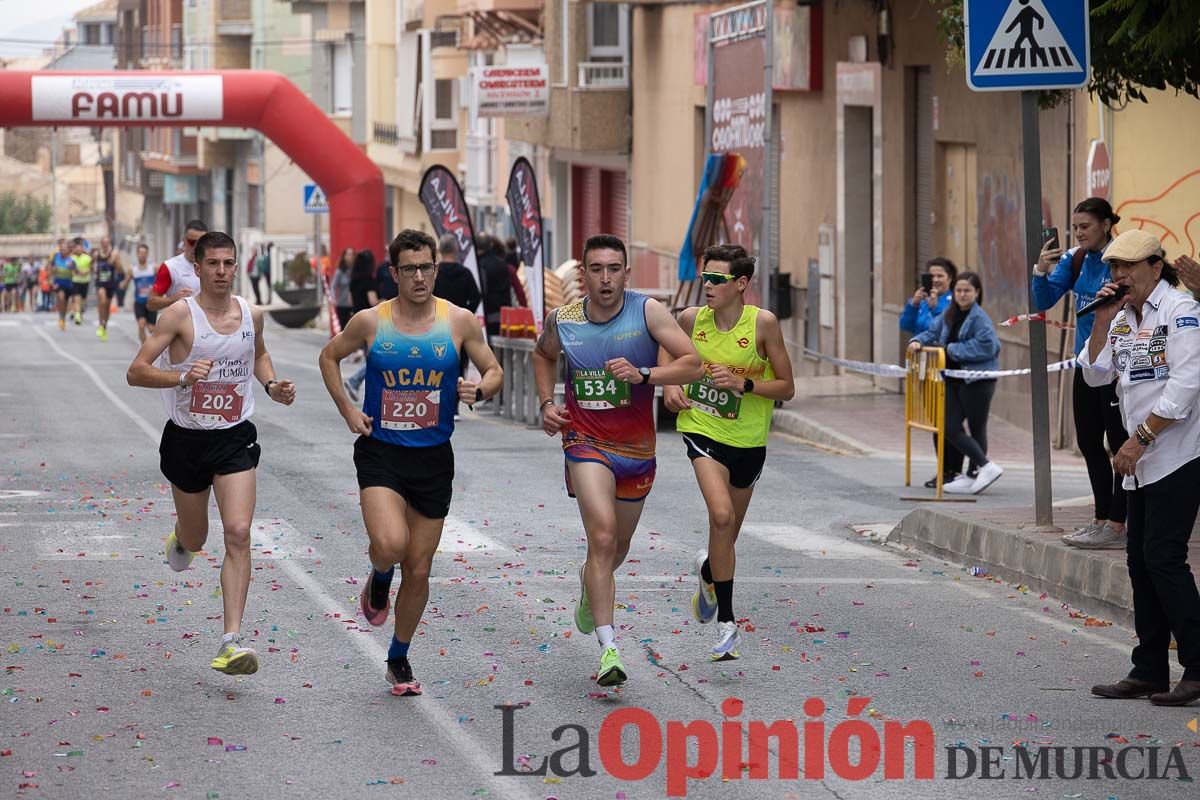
x: 1038, y: 317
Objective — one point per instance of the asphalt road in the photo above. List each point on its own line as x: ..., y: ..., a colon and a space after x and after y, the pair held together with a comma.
x: 107, y: 691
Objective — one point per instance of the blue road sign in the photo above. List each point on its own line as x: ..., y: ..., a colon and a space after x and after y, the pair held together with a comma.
x: 1026, y: 44
x: 314, y: 200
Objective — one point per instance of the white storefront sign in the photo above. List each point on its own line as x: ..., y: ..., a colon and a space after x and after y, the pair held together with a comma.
x: 511, y: 91
x: 105, y: 98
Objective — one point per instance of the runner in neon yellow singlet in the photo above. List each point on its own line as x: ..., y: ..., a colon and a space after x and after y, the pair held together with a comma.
x: 81, y: 279
x: 724, y: 418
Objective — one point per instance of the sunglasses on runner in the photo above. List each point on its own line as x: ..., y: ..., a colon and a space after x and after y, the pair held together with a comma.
x: 191, y: 242
x: 717, y: 278
x: 409, y: 270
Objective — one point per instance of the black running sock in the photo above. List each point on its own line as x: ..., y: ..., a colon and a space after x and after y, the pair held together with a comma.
x: 724, y: 600
x: 706, y: 572
x: 381, y: 584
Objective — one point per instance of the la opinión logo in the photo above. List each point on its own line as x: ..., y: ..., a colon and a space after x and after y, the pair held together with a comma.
x: 734, y: 748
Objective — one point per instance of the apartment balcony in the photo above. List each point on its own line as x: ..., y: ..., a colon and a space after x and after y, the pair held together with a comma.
x: 591, y: 116
x: 234, y: 18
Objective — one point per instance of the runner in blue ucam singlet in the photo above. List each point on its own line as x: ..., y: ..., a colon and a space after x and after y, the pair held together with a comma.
x: 403, y: 456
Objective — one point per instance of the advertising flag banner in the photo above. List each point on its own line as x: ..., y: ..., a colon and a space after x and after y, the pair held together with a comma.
x: 447, y: 209
x: 738, y: 114
x: 526, y: 210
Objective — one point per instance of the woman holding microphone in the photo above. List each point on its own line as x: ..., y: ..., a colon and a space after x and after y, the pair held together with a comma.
x: 1149, y: 341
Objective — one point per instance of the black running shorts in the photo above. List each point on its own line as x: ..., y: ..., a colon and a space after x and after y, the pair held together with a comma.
x: 745, y: 464
x: 190, y: 458
x: 423, y: 476
x: 142, y: 311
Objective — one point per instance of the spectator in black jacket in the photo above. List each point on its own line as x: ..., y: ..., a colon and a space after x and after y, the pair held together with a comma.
x: 455, y: 282
x: 494, y: 274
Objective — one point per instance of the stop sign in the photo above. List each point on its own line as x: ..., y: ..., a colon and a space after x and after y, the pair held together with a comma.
x: 1099, y: 171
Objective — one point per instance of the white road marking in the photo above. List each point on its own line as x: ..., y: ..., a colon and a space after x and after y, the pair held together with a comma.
x: 121, y: 405
x: 459, y: 536
x: 9, y: 323
x: 815, y: 545
x: 19, y: 494
x: 274, y: 539
x: 434, y: 712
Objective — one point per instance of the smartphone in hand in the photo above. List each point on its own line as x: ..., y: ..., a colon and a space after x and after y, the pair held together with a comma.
x: 1050, y: 235
x: 927, y: 282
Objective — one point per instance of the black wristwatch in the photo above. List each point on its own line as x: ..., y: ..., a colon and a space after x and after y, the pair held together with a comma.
x: 267, y: 386
x: 747, y: 386
x: 645, y: 371
x: 478, y: 394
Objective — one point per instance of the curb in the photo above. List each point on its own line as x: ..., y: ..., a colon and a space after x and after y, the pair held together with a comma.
x: 802, y: 427
x: 1088, y: 579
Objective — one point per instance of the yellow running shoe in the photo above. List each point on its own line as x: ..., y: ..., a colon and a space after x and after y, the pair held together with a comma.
x: 612, y: 671
x: 235, y: 660
x: 102, y: 333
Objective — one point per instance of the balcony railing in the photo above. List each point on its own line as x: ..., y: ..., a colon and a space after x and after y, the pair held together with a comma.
x: 603, y: 75
x: 383, y: 133
x: 235, y: 11
x: 236, y: 18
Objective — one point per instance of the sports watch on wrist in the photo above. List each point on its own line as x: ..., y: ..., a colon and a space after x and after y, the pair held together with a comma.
x: 747, y: 386
x: 645, y: 373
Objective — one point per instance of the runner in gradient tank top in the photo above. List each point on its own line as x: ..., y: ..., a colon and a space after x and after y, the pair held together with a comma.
x: 403, y: 456
x: 724, y: 418
x: 214, y: 352
x: 611, y: 341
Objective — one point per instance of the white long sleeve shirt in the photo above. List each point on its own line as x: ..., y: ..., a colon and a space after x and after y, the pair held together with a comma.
x: 1158, y: 365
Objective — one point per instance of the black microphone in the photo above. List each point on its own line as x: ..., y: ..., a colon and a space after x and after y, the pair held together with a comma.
x: 1102, y: 301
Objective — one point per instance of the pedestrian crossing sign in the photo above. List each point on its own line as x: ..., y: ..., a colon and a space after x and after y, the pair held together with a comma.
x: 1014, y: 45
x: 314, y: 200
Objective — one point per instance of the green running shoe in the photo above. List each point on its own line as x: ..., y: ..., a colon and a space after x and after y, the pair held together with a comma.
x: 583, y: 609
x: 612, y: 671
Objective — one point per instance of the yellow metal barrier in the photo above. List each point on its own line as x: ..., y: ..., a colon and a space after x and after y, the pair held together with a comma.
x: 925, y: 405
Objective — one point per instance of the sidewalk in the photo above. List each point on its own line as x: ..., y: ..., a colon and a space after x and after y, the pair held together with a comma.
x: 848, y: 413
x: 844, y: 412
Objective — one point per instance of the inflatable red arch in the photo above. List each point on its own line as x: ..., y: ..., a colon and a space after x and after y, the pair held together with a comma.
x: 265, y: 101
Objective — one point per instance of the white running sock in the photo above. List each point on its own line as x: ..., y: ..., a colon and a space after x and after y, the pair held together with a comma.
x: 230, y: 638
x: 604, y: 633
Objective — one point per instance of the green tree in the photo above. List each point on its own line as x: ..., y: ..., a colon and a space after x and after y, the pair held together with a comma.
x: 23, y: 214
x: 1136, y: 45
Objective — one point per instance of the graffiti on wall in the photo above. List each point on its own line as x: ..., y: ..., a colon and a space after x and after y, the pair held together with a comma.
x: 1173, y: 215
x: 1002, y: 246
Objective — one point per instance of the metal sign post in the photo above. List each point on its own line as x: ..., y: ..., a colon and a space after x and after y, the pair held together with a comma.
x: 1027, y: 46
x: 1039, y: 385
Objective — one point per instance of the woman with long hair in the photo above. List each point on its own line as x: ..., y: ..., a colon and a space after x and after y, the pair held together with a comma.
x: 363, y: 294
x: 340, y: 288
x: 1082, y: 271
x: 969, y: 338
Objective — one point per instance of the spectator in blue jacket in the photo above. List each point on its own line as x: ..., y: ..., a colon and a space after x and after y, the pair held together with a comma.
x: 969, y: 338
x: 924, y: 307
x: 919, y: 313
x: 1080, y: 270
